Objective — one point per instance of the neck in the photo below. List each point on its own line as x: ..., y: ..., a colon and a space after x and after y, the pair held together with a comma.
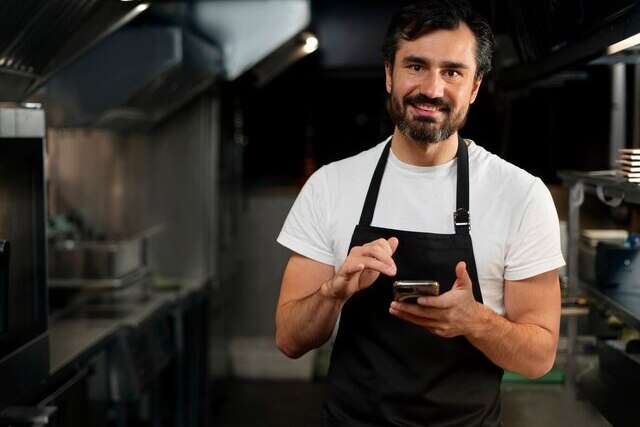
x: 418, y: 154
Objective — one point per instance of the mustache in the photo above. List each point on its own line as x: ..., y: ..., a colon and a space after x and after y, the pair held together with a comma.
x: 420, y: 98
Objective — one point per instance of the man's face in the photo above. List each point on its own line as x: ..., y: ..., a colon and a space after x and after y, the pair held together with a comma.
x: 432, y: 84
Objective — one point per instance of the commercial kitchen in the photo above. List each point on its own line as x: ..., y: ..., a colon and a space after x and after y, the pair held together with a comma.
x: 150, y: 152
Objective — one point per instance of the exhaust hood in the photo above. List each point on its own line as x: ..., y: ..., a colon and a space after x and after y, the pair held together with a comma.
x: 134, y: 78
x: 551, y: 36
x: 247, y: 31
x: 140, y: 74
x: 38, y: 38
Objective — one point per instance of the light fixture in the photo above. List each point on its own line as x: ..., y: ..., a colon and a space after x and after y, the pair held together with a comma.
x: 624, y: 44
x: 141, y: 7
x: 310, y: 44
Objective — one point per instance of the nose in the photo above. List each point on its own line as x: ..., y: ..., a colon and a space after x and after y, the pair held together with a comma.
x: 432, y: 85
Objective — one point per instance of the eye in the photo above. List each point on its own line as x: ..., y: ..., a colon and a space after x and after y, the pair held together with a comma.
x: 452, y: 73
x: 416, y: 67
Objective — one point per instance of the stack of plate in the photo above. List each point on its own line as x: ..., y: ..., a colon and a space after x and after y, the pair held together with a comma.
x: 629, y: 161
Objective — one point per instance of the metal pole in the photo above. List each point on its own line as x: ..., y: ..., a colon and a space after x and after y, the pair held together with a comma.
x: 576, y: 198
x: 617, y: 130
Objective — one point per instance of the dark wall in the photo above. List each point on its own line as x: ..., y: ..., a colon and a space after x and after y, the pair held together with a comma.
x: 332, y: 104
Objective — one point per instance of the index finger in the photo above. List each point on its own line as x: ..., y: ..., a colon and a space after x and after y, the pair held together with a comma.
x: 384, y: 244
x: 440, y: 301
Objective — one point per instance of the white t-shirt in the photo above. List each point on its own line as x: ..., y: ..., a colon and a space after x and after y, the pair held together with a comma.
x: 514, y: 224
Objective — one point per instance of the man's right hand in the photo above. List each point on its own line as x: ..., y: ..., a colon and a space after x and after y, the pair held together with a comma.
x: 362, y: 267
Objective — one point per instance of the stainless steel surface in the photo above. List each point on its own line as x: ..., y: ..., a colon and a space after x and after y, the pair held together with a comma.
x: 100, y: 283
x: 22, y: 123
x: 576, y: 198
x: 577, y: 45
x: 178, y: 66
x: 627, y: 307
x: 123, y: 183
x: 272, y: 25
x: 38, y: 38
x: 618, y: 113
x: 95, y: 264
x: 95, y: 260
x: 186, y: 50
x: 80, y: 330
x: 611, y: 186
x: 624, y: 304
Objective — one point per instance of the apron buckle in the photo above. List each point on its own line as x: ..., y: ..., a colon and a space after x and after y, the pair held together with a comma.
x: 462, y: 217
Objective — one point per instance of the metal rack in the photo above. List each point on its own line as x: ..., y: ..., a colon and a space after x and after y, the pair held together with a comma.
x: 611, y: 190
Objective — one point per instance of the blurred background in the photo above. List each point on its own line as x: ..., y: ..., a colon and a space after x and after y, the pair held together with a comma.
x: 150, y: 151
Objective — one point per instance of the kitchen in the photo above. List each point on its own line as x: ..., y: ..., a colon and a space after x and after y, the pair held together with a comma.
x: 177, y: 135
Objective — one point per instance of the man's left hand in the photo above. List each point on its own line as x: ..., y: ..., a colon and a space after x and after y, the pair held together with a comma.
x: 450, y: 314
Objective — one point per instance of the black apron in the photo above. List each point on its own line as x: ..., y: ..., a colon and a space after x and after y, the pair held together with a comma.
x: 385, y: 371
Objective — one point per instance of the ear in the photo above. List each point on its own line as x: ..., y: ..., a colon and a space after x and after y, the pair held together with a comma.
x: 474, y: 89
x: 388, y: 70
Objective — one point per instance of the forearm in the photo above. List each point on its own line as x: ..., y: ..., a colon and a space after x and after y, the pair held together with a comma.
x: 524, y: 348
x: 306, y: 323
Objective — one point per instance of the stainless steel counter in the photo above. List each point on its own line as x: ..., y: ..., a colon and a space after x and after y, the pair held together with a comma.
x: 95, y: 320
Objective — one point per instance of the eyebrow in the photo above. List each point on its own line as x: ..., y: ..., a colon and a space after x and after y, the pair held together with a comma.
x: 412, y: 59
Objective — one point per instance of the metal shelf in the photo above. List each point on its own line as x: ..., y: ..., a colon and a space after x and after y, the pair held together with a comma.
x: 610, y: 184
x: 624, y: 304
x: 611, y: 189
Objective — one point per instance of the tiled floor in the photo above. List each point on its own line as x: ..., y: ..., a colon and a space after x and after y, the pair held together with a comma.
x: 284, y: 404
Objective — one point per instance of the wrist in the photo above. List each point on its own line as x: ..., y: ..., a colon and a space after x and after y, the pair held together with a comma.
x: 479, y: 321
x: 327, y: 291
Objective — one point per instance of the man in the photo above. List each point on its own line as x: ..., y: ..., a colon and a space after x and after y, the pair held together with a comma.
x: 410, y: 208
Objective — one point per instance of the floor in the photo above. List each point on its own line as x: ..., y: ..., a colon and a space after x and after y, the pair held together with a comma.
x: 296, y: 403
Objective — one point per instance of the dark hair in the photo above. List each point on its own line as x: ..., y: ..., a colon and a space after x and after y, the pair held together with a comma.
x: 414, y: 20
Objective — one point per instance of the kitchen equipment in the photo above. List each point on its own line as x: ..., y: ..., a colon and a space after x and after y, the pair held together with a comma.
x: 94, y: 260
x: 90, y: 263
x: 618, y: 266
x: 24, y: 339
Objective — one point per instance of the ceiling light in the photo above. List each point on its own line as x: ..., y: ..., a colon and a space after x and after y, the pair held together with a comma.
x: 624, y: 44
x: 310, y: 44
x: 141, y: 7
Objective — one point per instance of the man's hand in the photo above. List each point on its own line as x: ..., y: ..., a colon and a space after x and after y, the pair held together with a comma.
x: 362, y: 267
x: 448, y: 315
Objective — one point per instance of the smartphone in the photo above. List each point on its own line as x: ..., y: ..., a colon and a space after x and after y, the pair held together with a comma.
x: 410, y: 290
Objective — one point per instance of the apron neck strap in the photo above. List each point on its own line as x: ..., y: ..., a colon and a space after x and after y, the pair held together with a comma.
x: 461, y: 217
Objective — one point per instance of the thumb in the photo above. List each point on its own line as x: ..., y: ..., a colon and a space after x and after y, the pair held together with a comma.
x: 393, y: 242
x: 462, y: 276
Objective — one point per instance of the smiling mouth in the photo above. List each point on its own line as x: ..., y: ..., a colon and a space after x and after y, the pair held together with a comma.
x: 424, y: 106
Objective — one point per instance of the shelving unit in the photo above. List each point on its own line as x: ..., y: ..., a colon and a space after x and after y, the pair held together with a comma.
x: 626, y: 305
x: 611, y: 190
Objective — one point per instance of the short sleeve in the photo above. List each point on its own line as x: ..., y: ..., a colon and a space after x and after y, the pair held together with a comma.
x: 304, y: 230
x: 534, y: 245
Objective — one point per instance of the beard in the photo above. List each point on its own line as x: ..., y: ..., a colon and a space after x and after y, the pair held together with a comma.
x: 425, y: 130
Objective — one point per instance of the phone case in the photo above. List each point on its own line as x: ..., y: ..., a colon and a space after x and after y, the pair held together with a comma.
x: 411, y: 290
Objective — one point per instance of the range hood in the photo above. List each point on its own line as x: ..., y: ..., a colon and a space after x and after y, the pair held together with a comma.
x: 38, y: 38
x: 134, y: 78
x: 145, y: 71
x: 551, y: 36
x: 247, y: 31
